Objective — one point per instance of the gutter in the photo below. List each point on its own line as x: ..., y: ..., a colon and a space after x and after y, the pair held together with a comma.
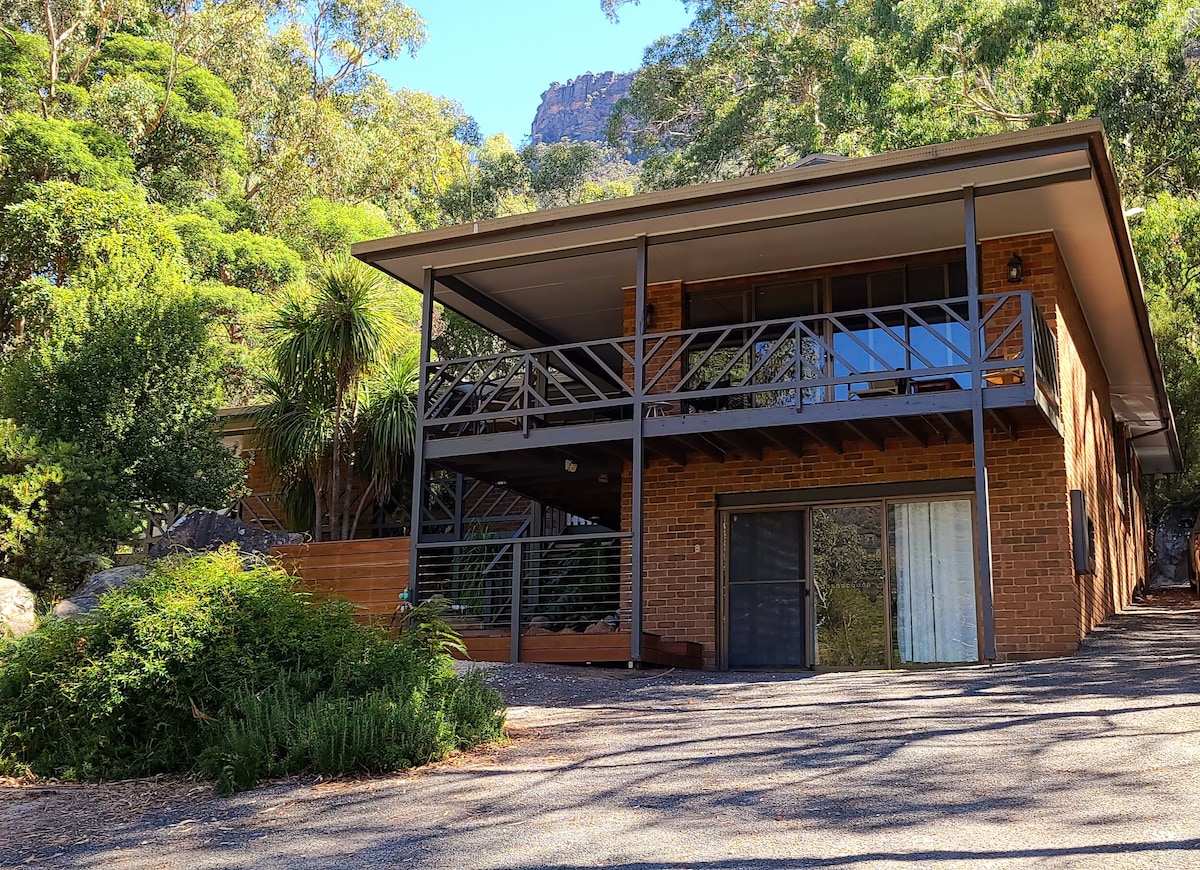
x: 1110, y: 190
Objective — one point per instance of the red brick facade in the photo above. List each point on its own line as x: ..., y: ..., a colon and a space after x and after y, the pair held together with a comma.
x: 1042, y: 607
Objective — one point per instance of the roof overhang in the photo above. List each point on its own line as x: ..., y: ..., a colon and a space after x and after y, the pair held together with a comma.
x: 558, y: 276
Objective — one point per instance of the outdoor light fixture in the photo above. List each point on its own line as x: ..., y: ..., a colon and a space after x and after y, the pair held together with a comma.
x: 571, y: 465
x: 648, y: 315
x: 501, y: 483
x: 1016, y: 270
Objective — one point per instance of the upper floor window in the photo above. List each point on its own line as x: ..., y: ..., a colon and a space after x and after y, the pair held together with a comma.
x: 837, y: 291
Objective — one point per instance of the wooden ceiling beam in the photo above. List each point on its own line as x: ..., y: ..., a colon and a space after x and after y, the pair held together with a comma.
x: 956, y: 426
x: 662, y: 448
x: 738, y: 442
x: 867, y: 433
x: 907, y: 428
x: 834, y: 444
x: 785, y: 439
x: 1004, y: 423
x: 702, y: 445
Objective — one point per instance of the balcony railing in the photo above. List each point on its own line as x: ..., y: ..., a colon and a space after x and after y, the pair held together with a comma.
x: 850, y: 356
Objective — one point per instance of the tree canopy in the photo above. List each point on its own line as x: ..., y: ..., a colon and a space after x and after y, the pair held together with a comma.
x: 753, y: 85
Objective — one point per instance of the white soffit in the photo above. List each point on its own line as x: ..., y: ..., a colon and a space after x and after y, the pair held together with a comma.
x: 578, y: 298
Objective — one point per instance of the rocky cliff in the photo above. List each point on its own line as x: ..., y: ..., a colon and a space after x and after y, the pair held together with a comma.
x: 579, y: 110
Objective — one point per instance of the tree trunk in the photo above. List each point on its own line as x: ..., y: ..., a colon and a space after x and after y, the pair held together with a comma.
x: 336, y: 495
x: 318, y: 507
x: 368, y: 494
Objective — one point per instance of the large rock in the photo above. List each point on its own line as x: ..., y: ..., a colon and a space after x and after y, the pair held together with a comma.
x: 84, y: 599
x: 201, y: 531
x: 18, y: 608
x: 578, y: 111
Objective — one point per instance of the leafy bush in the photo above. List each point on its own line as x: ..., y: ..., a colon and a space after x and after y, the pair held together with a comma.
x: 57, y: 521
x: 204, y: 665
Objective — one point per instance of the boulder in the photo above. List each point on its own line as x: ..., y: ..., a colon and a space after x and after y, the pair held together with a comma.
x: 204, y: 530
x: 84, y: 599
x: 18, y: 608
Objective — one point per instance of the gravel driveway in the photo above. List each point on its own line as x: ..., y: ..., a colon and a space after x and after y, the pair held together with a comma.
x: 1089, y: 761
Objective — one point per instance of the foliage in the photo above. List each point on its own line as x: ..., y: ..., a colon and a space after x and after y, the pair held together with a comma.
x: 325, y: 229
x: 57, y: 523
x: 751, y: 86
x: 242, y: 259
x: 501, y: 181
x: 38, y: 150
x: 1168, y: 239
x: 71, y: 236
x: 848, y: 585
x: 205, y: 665
x: 133, y: 379
x: 340, y: 419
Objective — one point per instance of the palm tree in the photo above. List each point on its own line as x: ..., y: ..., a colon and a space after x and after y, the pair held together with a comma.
x: 340, y: 418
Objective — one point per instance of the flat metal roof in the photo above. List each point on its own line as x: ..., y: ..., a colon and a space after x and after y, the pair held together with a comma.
x: 559, y: 275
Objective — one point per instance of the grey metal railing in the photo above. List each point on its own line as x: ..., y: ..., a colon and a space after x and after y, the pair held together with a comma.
x: 842, y: 356
x: 560, y: 584
x: 565, y: 383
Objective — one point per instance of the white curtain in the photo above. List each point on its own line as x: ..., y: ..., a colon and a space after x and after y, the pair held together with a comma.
x: 935, y: 581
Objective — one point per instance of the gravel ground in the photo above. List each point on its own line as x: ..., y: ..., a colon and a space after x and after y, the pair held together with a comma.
x: 1088, y: 761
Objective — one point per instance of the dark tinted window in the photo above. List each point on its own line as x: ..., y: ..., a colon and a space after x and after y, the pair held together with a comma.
x: 926, y: 283
x: 777, y: 301
x: 716, y: 308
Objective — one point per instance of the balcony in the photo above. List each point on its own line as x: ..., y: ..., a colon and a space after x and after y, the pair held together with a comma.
x: 894, y: 361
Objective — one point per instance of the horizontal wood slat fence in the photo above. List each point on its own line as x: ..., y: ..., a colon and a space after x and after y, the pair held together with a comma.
x: 371, y: 573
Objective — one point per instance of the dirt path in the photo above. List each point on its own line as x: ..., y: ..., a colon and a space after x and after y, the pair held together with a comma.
x: 1089, y: 761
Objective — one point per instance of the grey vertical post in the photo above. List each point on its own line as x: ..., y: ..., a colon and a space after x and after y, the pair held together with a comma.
x: 982, y: 512
x: 418, y: 478
x: 460, y: 493
x: 1028, y: 349
x: 639, y: 452
x: 532, y: 579
x: 514, y: 640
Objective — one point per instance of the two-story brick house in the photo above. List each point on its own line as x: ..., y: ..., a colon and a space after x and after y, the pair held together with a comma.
x: 857, y: 413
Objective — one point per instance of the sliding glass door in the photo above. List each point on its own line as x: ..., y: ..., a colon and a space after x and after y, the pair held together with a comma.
x: 765, y: 589
x: 849, y: 586
x: 933, y: 581
x: 869, y: 584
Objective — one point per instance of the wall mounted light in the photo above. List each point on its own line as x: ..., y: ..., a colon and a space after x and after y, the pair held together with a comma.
x: 648, y: 316
x: 1016, y: 270
x: 571, y: 465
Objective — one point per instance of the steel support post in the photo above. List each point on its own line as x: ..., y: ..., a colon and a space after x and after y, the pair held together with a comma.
x: 514, y: 625
x: 982, y: 512
x: 639, y: 452
x: 418, y: 478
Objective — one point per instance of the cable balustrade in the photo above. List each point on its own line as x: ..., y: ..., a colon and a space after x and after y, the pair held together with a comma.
x: 566, y: 585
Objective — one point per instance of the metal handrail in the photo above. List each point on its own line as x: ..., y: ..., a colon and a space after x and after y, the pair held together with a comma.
x: 540, y: 539
x: 796, y: 355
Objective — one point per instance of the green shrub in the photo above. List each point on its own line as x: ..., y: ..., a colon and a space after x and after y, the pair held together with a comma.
x: 205, y: 666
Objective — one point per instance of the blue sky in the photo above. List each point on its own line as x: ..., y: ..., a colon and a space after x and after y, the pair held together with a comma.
x: 497, y: 56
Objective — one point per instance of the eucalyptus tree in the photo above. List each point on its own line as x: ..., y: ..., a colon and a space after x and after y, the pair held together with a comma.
x: 341, y: 411
x: 752, y: 85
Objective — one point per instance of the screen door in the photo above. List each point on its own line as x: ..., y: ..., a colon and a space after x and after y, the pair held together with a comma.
x: 766, y: 589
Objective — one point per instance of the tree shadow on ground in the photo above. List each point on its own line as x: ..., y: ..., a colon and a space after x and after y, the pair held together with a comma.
x: 897, y: 758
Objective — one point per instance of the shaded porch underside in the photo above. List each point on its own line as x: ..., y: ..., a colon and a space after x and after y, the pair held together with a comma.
x: 594, y: 489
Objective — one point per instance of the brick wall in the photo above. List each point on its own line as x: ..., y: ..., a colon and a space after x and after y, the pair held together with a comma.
x: 1041, y: 607
x: 1089, y: 443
